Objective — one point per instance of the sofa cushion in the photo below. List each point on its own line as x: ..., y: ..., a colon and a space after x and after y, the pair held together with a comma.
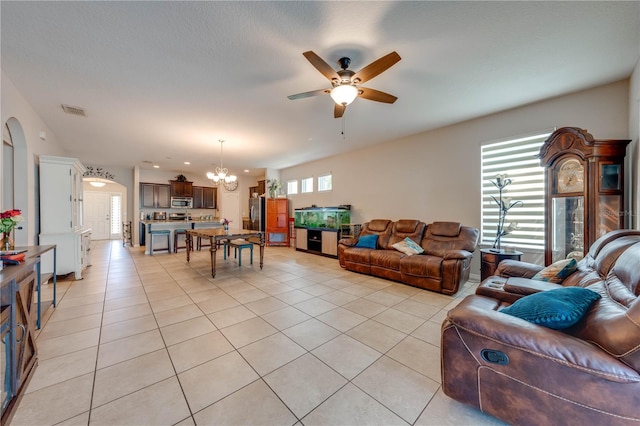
x: 387, y: 259
x: 381, y: 228
x: 422, y: 266
x: 556, y: 309
x: 557, y: 271
x: 405, y: 228
x: 408, y: 247
x: 367, y: 241
x: 446, y: 229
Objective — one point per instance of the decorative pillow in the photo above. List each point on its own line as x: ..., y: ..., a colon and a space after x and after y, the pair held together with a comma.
x: 408, y: 247
x: 367, y: 241
x: 557, y: 309
x: 557, y: 272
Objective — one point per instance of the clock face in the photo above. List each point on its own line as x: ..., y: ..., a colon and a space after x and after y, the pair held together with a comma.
x: 570, y: 176
x: 231, y: 186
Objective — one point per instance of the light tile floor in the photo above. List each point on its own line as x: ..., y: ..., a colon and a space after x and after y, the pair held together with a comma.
x: 145, y: 340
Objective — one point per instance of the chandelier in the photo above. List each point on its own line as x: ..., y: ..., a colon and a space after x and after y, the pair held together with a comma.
x: 222, y: 175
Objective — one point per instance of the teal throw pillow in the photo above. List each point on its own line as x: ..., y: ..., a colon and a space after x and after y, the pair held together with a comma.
x: 367, y: 241
x: 557, y: 271
x: 557, y: 309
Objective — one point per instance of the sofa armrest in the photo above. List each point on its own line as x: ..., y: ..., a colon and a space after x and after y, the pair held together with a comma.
x: 478, y: 316
x: 508, y: 290
x: 457, y: 254
x: 349, y: 242
x: 516, y: 268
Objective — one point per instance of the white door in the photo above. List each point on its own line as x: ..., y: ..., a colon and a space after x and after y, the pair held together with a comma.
x: 230, y: 208
x: 97, y: 209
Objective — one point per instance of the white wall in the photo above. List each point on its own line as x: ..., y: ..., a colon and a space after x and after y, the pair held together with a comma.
x: 28, y: 147
x: 435, y: 175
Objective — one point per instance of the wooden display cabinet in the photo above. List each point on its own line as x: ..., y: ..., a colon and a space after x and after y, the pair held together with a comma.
x: 277, y: 222
x: 584, y: 181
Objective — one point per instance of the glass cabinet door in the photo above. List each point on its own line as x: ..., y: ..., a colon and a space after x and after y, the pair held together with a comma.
x: 567, y: 228
x: 5, y: 357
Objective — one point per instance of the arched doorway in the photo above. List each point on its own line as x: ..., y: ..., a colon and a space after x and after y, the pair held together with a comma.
x: 15, y: 180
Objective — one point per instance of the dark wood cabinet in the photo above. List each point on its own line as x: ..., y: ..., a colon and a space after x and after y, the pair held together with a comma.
x: 491, y: 258
x: 181, y: 188
x: 155, y: 196
x: 18, y: 285
x: 259, y: 189
x: 204, y: 197
x: 277, y: 222
x: 584, y: 180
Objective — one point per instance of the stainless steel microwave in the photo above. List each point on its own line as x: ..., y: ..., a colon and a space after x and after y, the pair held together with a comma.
x: 182, y: 202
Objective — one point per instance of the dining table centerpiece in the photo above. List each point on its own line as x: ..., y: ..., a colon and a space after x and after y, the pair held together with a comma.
x: 225, y: 223
x: 8, y: 221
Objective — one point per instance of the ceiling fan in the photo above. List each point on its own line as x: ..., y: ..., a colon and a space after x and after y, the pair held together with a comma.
x: 346, y: 83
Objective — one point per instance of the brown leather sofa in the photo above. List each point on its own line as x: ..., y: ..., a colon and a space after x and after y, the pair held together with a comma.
x: 444, y: 265
x: 524, y: 373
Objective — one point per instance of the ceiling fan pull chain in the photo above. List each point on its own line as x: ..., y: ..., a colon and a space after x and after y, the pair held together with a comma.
x: 343, y: 135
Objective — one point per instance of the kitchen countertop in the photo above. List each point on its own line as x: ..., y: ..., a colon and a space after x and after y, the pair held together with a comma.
x: 151, y: 221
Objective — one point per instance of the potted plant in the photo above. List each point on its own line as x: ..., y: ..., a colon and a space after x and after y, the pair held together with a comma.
x: 273, y: 185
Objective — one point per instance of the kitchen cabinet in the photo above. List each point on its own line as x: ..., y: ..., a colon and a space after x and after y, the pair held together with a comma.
x: 204, y: 197
x: 155, y: 196
x: 277, y: 222
x: 17, y: 321
x: 61, y: 199
x: 181, y: 188
x: 259, y: 189
x: 584, y: 191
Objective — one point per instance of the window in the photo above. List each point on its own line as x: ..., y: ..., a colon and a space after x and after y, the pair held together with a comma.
x: 116, y: 221
x: 324, y: 182
x: 292, y: 187
x: 306, y: 185
x: 517, y: 159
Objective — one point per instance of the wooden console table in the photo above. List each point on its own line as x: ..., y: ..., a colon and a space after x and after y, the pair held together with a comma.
x: 216, y: 235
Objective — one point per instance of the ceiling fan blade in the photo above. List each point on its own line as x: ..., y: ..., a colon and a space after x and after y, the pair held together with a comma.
x: 308, y: 94
x: 338, y: 110
x: 376, y: 67
x: 376, y: 95
x: 324, y: 68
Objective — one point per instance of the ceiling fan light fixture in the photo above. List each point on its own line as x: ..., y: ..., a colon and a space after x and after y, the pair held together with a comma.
x: 344, y: 94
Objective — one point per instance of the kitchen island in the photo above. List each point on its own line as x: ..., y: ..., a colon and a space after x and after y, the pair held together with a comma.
x: 172, y: 225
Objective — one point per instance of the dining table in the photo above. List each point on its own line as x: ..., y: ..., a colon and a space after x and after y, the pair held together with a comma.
x: 218, y: 235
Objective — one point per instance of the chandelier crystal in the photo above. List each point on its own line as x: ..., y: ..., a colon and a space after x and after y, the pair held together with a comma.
x: 221, y: 175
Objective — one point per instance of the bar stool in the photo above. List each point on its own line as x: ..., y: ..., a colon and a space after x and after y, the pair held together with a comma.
x: 160, y: 232
x: 177, y: 233
x: 238, y: 245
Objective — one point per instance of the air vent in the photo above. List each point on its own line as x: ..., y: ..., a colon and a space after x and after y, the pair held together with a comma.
x: 73, y: 110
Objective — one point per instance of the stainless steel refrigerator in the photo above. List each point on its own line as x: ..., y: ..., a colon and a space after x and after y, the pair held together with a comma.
x: 257, y: 213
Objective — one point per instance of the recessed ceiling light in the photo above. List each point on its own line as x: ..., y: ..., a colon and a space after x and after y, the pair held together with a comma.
x: 155, y: 166
x: 247, y: 170
x: 187, y: 162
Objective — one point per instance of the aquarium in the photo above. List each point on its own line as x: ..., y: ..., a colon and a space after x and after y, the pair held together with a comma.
x: 322, y: 217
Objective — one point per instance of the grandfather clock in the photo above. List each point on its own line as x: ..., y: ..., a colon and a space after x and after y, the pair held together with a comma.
x: 584, y: 182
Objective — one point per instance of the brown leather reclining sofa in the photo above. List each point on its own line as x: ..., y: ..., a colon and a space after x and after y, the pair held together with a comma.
x: 444, y: 265
x: 588, y: 374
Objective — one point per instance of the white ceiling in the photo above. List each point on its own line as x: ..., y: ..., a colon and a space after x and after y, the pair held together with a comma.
x: 163, y: 81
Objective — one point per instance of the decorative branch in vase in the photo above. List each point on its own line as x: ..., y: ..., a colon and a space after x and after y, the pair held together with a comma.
x: 504, y: 205
x: 274, y: 187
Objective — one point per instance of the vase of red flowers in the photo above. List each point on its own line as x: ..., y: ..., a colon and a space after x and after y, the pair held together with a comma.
x: 225, y: 224
x: 8, y: 220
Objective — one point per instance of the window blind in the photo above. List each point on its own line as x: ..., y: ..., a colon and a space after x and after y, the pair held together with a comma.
x: 517, y: 158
